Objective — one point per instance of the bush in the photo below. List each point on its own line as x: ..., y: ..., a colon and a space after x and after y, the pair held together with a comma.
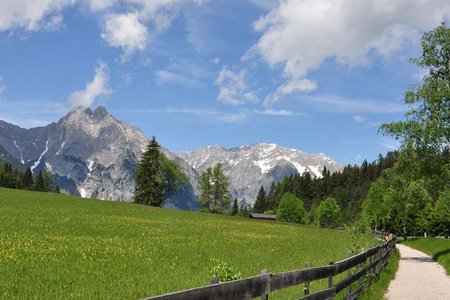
x: 291, y: 209
x: 224, y: 271
x: 329, y: 213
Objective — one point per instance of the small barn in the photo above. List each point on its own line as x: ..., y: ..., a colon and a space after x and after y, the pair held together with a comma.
x: 263, y: 217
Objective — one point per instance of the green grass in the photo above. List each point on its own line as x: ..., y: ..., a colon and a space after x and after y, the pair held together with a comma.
x: 379, y: 287
x: 438, y: 249
x: 56, y: 246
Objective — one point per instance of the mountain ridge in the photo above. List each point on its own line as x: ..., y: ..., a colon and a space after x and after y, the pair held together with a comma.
x: 92, y: 154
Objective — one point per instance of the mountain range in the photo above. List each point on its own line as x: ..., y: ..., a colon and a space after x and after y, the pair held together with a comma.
x: 92, y: 154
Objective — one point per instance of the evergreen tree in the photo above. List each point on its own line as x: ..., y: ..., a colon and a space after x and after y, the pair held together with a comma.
x: 27, y: 180
x: 148, y: 176
x: 213, y: 186
x: 39, y: 182
x: 260, y: 203
x: 221, y: 196
x: 205, y: 187
x: 235, y: 210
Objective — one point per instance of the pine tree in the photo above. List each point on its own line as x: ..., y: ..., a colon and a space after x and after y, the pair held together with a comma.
x: 221, y: 195
x: 235, y: 210
x: 39, y: 182
x: 148, y: 176
x: 213, y: 186
x: 260, y: 203
x: 27, y: 180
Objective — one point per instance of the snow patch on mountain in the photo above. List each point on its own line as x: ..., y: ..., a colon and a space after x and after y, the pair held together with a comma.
x: 248, y: 167
x: 40, y: 157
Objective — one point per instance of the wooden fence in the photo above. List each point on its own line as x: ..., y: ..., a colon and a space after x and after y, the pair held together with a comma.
x: 361, y: 270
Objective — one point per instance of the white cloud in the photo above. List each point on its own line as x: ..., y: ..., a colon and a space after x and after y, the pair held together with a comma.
x: 2, y: 86
x: 233, y: 88
x: 278, y: 113
x: 94, y: 89
x: 299, y: 35
x: 227, y: 117
x: 331, y: 103
x: 97, y: 5
x: 358, y: 118
x: 32, y: 15
x: 127, y: 24
x: 125, y: 31
x: 167, y: 77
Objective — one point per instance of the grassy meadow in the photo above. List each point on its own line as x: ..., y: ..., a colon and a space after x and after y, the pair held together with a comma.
x: 437, y: 248
x: 56, y: 246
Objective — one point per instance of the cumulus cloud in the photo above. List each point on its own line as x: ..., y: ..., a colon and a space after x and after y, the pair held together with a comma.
x: 125, y: 31
x: 126, y: 23
x: 233, y: 88
x: 32, y: 15
x: 299, y: 35
x: 94, y: 89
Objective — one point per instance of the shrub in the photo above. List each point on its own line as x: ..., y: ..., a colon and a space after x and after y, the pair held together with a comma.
x: 291, y: 209
x: 224, y: 271
x: 329, y: 213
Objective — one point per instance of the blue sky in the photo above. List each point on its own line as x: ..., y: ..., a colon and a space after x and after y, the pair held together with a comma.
x: 316, y: 75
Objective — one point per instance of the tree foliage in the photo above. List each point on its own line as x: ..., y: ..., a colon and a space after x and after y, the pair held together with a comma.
x: 291, y: 209
x: 13, y: 178
x: 329, y: 213
x: 415, y: 187
x: 213, y: 186
x: 427, y: 121
x: 349, y: 187
x: 260, y: 203
x: 157, y: 177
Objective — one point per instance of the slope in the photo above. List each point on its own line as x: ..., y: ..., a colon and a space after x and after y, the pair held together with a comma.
x: 56, y: 246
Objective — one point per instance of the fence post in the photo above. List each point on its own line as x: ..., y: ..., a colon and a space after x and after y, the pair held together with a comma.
x: 370, y: 273
x: 265, y: 293
x: 360, y: 266
x: 349, y: 273
x: 330, y: 278
x: 215, y: 280
x: 306, y: 289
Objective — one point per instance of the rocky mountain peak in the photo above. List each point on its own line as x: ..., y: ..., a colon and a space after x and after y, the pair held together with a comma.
x: 248, y: 167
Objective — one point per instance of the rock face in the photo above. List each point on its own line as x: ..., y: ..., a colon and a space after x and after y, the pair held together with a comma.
x: 90, y: 153
x: 93, y: 155
x: 249, y: 167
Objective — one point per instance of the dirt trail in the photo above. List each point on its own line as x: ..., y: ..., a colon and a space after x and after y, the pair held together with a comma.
x: 418, y: 277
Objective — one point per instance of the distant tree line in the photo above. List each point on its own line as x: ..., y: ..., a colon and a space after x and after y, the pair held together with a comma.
x: 15, y: 179
x: 342, y: 192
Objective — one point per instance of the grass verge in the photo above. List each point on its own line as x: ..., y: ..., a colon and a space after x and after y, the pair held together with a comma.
x: 438, y: 249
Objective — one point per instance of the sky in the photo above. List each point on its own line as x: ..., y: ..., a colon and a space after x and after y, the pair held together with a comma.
x: 315, y: 75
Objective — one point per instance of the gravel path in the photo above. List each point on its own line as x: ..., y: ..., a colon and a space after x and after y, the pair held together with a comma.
x: 418, y: 277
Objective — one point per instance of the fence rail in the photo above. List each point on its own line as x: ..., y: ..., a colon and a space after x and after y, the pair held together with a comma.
x: 365, y: 265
